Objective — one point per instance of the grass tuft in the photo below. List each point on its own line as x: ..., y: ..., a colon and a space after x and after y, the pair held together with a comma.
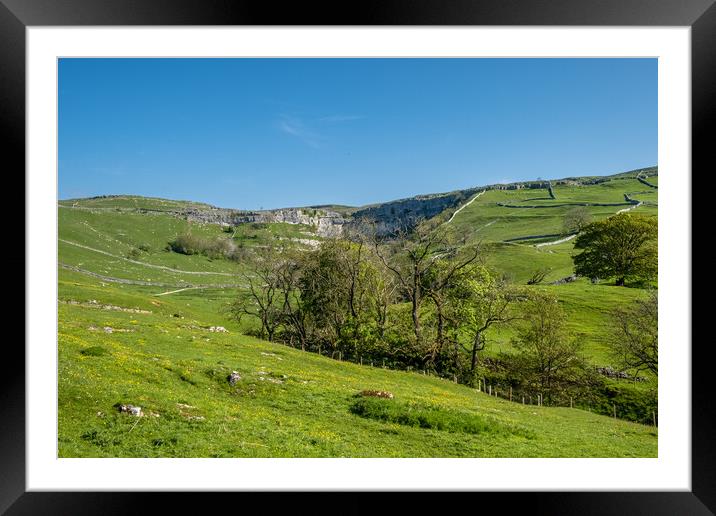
x: 93, y: 351
x: 431, y: 417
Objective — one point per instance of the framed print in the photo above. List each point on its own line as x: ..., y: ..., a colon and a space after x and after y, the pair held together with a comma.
x: 405, y: 250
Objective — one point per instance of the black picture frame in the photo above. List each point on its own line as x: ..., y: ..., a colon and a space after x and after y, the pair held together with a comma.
x: 17, y: 15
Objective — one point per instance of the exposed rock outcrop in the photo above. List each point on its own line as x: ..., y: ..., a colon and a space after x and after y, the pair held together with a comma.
x: 404, y: 214
x: 327, y: 223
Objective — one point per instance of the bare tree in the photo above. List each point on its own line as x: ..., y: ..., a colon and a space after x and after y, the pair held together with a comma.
x: 575, y: 219
x: 635, y: 334
x: 538, y: 276
x: 412, y: 255
x: 294, y: 316
x: 263, y: 298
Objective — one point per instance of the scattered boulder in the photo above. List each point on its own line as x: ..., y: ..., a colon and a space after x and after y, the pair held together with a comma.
x: 233, y: 378
x: 568, y: 279
x: 131, y: 409
x: 610, y: 372
x: 109, y: 329
x: 376, y: 394
x: 219, y: 329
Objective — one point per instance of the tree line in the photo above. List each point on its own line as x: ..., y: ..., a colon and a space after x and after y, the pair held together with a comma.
x: 426, y: 299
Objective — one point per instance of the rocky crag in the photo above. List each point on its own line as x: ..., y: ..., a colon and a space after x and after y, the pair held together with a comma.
x: 325, y: 222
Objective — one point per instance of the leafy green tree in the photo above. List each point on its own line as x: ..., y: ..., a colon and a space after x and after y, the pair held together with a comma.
x: 477, y: 302
x: 623, y: 246
x: 449, y: 269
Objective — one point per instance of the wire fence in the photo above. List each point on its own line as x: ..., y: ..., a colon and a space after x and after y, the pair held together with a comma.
x: 493, y: 389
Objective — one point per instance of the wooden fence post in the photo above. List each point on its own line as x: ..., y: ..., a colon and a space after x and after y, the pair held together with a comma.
x: 340, y: 356
x: 615, y: 410
x: 490, y: 390
x: 571, y: 405
x: 653, y: 417
x: 510, y: 393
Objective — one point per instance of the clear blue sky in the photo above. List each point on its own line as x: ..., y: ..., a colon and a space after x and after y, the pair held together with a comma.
x: 269, y: 133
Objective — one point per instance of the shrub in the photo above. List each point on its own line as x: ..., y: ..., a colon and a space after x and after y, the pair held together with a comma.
x: 218, y: 247
x: 133, y: 253
x: 93, y: 351
x: 427, y: 417
x: 631, y: 404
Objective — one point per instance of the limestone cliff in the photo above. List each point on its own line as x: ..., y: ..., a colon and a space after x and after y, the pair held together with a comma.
x: 326, y: 223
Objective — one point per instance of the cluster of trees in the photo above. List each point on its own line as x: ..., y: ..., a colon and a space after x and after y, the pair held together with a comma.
x: 421, y: 299
x: 426, y: 299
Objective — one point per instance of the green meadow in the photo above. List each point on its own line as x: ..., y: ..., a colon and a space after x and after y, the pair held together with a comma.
x: 137, y: 324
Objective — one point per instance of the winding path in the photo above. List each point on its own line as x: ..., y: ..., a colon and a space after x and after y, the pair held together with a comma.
x: 468, y: 203
x: 123, y: 281
x: 162, y: 267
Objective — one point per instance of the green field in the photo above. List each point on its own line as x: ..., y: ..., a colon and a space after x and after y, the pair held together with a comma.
x: 122, y: 342
x: 510, y: 215
x: 515, y: 236
x: 103, y: 240
x: 288, y: 403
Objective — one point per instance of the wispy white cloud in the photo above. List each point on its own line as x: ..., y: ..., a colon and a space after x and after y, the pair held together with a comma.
x: 295, y: 127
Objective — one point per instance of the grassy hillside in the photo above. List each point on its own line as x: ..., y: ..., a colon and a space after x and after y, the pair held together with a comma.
x: 123, y: 344
x: 515, y: 225
x: 134, y: 328
x: 132, y: 244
